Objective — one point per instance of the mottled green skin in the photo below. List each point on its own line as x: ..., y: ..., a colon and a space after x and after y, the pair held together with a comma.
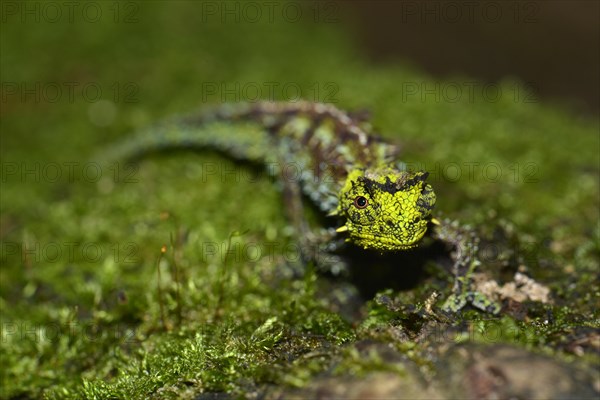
x: 328, y: 155
x: 397, y: 208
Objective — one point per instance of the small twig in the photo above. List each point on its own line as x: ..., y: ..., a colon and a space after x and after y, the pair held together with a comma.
x: 163, y: 250
x: 225, y: 273
x: 177, y: 283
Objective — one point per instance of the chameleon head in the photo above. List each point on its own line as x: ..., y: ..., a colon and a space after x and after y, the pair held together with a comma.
x: 386, y: 209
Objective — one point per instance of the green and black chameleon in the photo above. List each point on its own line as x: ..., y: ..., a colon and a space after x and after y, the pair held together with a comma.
x: 348, y: 172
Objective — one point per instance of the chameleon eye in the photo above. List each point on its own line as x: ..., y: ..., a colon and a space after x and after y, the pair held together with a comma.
x: 361, y: 202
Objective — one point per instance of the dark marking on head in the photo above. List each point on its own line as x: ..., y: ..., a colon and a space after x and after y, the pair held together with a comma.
x: 423, y: 202
x: 392, y: 187
x: 415, y: 180
x: 388, y: 186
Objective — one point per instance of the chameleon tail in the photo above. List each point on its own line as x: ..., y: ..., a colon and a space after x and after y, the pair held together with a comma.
x: 245, y: 140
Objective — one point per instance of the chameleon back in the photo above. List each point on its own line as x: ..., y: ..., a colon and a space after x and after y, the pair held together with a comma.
x: 315, y: 144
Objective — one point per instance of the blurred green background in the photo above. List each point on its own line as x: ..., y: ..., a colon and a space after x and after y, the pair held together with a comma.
x: 81, y: 312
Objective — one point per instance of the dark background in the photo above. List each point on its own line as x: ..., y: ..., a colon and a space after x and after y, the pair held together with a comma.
x: 554, y: 46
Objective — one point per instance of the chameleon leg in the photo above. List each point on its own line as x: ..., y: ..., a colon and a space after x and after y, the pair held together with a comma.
x: 465, y: 245
x: 325, y: 242
x: 315, y: 245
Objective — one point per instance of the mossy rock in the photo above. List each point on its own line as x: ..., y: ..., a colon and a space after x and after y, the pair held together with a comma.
x: 93, y: 305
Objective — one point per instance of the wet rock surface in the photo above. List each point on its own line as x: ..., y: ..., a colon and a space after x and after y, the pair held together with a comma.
x: 508, y: 372
x: 465, y: 371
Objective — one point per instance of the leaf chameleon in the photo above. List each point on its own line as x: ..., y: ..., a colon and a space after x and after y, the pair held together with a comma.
x: 348, y: 172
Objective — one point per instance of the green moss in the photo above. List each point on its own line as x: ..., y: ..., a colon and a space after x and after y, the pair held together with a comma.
x: 82, y: 315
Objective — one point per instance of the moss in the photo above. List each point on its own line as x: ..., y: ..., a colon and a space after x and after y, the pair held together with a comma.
x: 82, y: 312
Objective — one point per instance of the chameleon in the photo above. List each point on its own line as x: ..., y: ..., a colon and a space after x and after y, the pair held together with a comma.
x: 346, y: 170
